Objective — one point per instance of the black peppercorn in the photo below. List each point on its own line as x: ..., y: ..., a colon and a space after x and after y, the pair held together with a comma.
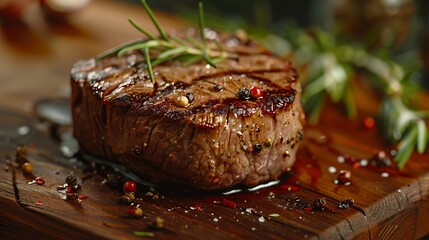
x: 190, y: 96
x: 244, y: 93
x: 218, y: 88
x: 258, y: 147
x: 346, y: 203
x: 72, y: 181
x: 319, y: 203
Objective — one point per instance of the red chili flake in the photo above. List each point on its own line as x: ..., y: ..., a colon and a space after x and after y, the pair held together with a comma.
x: 369, y: 123
x: 83, y: 197
x: 39, y: 181
x: 39, y: 203
x: 356, y: 165
x: 308, y: 208
x: 256, y: 92
x: 228, y: 203
x: 290, y: 188
x: 197, y: 207
x: 129, y: 186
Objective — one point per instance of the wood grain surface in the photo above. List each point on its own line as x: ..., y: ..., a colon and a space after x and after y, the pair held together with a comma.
x: 35, y: 65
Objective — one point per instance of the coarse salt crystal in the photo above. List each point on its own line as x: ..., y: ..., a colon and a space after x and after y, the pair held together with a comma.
x: 332, y: 169
x: 341, y: 159
x: 364, y: 162
x: 385, y: 174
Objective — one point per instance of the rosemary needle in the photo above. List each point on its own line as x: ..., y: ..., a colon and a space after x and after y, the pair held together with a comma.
x: 165, y: 48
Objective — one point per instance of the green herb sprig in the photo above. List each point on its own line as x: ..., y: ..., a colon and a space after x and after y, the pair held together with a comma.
x: 329, y: 68
x: 165, y: 48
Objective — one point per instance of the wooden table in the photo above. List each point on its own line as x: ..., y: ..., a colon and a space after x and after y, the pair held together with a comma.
x: 35, y: 64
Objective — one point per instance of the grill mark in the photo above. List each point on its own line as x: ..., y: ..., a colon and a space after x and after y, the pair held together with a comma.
x: 238, y: 72
x: 107, y: 93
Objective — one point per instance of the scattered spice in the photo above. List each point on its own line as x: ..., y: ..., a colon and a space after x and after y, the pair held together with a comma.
x: 244, y: 93
x: 380, y: 160
x: 158, y: 223
x: 129, y: 187
x: 83, y: 197
x: 346, y: 203
x: 274, y: 215
x: 69, y: 190
x: 343, y: 178
x: 72, y: 181
x: 261, y: 219
x: 190, y: 96
x: 363, y: 162
x: 369, y: 123
x: 290, y: 188
x: 135, y: 211
x: 256, y: 92
x: 257, y: 147
x: 143, y: 234
x: 341, y: 159
x: 250, y: 210
x: 27, y: 168
x: 319, y: 203
x: 228, y: 203
x: 21, y: 155
x: 218, y: 88
x: 197, y: 207
x: 356, y: 165
x: 332, y: 169
x: 39, y: 181
x: 182, y: 101
x: 385, y: 174
x: 127, y: 198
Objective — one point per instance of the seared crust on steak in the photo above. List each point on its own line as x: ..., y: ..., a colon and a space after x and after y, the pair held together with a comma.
x: 216, y: 141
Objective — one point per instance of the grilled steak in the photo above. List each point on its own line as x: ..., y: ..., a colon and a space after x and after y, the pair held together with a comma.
x: 196, y: 126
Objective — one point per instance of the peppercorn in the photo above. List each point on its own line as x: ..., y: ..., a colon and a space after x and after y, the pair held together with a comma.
x: 182, y: 101
x: 343, y: 177
x: 190, y: 96
x: 256, y: 92
x: 369, y: 123
x: 243, y: 93
x: 257, y: 147
x: 319, y: 203
x: 27, y: 168
x: 127, y: 198
x: 135, y: 211
x: 129, y: 186
x: 380, y: 160
x: 158, y: 223
x: 218, y: 88
x: 71, y: 181
x: 346, y: 203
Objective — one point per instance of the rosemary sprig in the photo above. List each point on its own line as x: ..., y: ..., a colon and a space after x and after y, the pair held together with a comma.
x: 329, y: 65
x: 166, y: 48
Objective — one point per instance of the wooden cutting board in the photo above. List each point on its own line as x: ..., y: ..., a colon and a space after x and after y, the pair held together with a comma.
x: 388, y: 203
